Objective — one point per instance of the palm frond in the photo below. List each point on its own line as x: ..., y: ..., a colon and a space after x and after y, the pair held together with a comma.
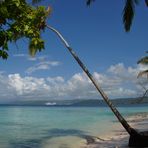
x: 146, y: 2
x: 144, y: 60
x: 143, y: 73
x: 88, y: 2
x: 128, y: 14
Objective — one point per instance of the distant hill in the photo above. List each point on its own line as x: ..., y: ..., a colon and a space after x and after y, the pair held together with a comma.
x: 79, y: 103
x: 116, y: 102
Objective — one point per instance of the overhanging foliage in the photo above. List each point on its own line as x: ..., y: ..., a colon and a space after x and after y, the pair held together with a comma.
x: 19, y: 19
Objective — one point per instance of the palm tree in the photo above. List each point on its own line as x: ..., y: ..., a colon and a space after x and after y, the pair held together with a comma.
x: 136, y: 138
x: 128, y: 12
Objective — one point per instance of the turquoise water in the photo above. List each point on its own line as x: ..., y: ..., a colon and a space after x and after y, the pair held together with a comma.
x: 39, y: 127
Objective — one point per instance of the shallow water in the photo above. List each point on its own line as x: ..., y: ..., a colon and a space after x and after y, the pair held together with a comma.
x: 55, y: 127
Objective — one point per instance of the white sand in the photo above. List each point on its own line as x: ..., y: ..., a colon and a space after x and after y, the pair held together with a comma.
x: 65, y: 142
x: 119, y: 138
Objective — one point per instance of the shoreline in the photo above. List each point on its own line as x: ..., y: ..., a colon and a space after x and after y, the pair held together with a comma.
x: 118, y: 138
x: 115, y: 138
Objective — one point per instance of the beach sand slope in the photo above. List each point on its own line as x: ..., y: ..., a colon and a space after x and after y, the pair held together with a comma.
x: 119, y: 138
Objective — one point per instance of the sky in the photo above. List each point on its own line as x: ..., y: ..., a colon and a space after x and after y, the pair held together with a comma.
x: 97, y: 35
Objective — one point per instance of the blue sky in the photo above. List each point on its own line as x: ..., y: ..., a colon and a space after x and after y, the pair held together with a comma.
x: 97, y: 35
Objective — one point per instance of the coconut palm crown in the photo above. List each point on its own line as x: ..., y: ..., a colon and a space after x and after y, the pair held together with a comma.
x: 128, y: 12
x: 143, y: 61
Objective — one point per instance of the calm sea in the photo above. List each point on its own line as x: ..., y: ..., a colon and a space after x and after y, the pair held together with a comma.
x: 55, y: 127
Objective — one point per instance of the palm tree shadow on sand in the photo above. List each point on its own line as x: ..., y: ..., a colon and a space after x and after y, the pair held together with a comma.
x: 53, y: 133
x: 71, y: 132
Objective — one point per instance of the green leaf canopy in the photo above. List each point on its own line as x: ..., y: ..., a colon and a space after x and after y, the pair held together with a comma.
x: 19, y: 19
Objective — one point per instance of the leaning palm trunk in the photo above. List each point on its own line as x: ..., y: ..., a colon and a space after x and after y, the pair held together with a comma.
x: 134, y: 135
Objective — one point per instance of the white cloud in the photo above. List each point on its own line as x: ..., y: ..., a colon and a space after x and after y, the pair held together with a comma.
x: 27, y: 85
x: 30, y: 58
x: 38, y: 58
x: 43, y: 65
x: 55, y: 80
x: 129, y: 79
x: 6, y: 92
x: 20, y: 55
x: 118, y: 81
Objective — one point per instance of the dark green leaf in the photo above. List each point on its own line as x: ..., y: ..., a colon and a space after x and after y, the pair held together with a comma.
x: 146, y: 2
x: 143, y: 60
x: 128, y: 14
x: 88, y: 2
x: 3, y: 54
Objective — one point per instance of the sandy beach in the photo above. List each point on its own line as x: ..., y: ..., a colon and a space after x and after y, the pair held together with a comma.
x: 119, y: 137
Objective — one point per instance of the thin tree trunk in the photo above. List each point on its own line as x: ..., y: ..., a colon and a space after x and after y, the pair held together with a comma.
x: 124, y: 123
x: 141, y: 99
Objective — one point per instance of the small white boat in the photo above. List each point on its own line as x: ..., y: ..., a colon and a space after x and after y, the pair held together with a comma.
x: 50, y: 103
